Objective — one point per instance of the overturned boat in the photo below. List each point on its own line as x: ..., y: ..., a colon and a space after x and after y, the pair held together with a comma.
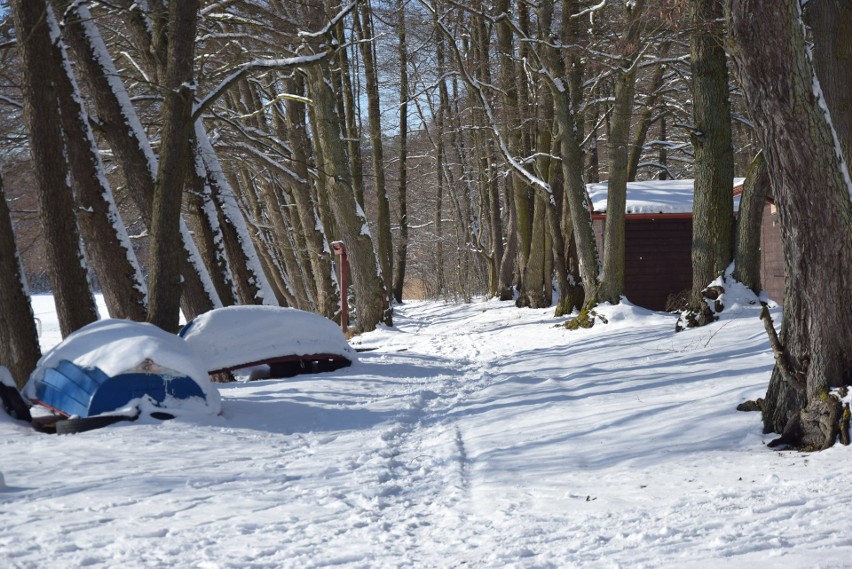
x: 111, y: 365
x: 286, y: 340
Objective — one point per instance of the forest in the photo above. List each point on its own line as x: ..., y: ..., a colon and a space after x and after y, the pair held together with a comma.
x: 182, y: 156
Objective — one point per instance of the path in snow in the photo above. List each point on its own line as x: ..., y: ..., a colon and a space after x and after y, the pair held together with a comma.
x: 477, y: 435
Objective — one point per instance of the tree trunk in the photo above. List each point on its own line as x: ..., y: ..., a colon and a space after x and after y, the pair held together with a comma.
x: 250, y: 278
x: 125, y: 135
x: 102, y: 229
x: 575, y: 195
x: 572, y: 177
x: 752, y: 202
x: 350, y: 111
x: 812, y: 191
x: 591, y: 162
x: 19, y: 346
x: 549, y: 168
x: 267, y: 207
x: 831, y: 23
x: 519, y: 191
x: 440, y: 154
x: 612, y: 282
x: 370, y: 297
x: 75, y: 305
x: 713, y: 206
x: 537, y: 282
x: 664, y: 154
x: 384, y: 241
x: 306, y: 204
x: 279, y: 259
x: 402, y: 243
x: 164, y: 274
x: 208, y: 234
x: 645, y: 118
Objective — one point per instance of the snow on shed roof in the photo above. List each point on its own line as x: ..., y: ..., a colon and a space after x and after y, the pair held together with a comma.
x: 653, y: 196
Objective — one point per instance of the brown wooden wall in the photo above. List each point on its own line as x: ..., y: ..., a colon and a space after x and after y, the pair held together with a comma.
x: 772, y: 272
x: 658, y: 260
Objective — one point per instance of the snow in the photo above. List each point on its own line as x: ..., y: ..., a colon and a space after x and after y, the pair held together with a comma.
x: 238, y: 335
x: 6, y: 377
x: 653, y: 196
x: 476, y: 435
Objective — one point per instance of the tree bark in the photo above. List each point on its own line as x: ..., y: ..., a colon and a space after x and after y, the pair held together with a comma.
x: 249, y: 276
x: 402, y: 243
x: 370, y: 294
x: 572, y: 176
x: 752, y: 203
x: 101, y: 227
x: 306, y: 203
x: 549, y: 167
x: 123, y: 131
x: 612, y: 281
x: 384, y: 240
x: 440, y: 154
x: 812, y: 192
x: 519, y: 190
x: 208, y: 234
x: 645, y: 118
x: 164, y: 274
x: 75, y: 304
x: 831, y: 25
x: 19, y: 346
x: 348, y: 109
x: 713, y: 207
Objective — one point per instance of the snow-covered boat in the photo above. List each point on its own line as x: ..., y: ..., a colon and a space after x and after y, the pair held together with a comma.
x: 112, y: 364
x: 288, y: 340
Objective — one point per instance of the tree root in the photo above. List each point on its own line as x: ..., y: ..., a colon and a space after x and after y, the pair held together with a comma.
x: 817, y: 426
x: 796, y: 381
x: 586, y: 319
x: 693, y: 317
x: 844, y: 425
x: 751, y: 405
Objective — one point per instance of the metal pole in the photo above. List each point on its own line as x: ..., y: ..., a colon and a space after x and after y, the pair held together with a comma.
x: 343, y: 272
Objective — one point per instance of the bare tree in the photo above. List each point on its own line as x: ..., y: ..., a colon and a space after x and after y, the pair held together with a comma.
x: 752, y: 203
x: 572, y: 162
x: 121, y: 126
x: 371, y: 296
x: 19, y: 347
x: 384, y: 244
x: 164, y: 272
x: 612, y: 281
x: 101, y: 226
x: 813, y: 193
x: 402, y: 243
x: 713, y: 209
x: 75, y: 304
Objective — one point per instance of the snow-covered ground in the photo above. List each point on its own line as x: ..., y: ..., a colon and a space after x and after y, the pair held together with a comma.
x: 476, y: 435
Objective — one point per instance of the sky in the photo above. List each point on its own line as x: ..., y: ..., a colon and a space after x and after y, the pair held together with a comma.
x: 478, y: 435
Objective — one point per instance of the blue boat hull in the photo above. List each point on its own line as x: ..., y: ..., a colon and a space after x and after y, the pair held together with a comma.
x: 85, y: 392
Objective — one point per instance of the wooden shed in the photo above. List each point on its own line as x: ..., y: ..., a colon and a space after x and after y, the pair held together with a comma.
x: 658, y: 240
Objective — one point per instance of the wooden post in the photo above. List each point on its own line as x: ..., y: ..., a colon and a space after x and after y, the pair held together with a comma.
x: 343, y: 272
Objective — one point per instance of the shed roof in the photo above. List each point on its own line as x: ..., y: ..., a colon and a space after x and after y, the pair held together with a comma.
x: 653, y: 196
